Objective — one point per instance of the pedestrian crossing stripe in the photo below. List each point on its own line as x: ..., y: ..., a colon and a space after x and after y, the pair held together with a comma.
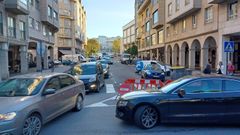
x: 110, y: 88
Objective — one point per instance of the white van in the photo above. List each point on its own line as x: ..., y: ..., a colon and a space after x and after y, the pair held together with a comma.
x: 124, y: 58
x: 74, y: 58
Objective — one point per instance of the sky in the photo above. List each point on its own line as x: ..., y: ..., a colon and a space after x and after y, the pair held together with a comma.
x: 107, y: 17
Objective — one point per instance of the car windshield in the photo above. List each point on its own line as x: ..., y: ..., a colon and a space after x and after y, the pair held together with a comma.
x: 126, y: 56
x: 173, y: 85
x: 103, y: 62
x: 155, y: 67
x: 88, y: 69
x: 21, y: 87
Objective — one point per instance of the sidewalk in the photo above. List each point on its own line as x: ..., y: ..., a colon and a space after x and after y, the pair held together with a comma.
x: 58, y: 69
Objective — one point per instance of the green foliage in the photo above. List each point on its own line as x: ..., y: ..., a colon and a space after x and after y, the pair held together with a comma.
x: 92, y: 47
x: 116, y: 45
x: 132, y: 50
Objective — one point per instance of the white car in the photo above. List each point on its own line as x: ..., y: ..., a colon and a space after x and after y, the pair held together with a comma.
x: 141, y: 64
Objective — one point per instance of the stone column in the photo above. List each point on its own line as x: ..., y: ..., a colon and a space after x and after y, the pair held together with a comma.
x: 55, y: 53
x: 151, y: 54
x: 167, y: 53
x: 182, y: 57
x: 39, y: 58
x: 204, y: 58
x: 192, y: 58
x: 174, y: 57
x: 157, y: 55
x: 45, y: 57
x: 23, y: 59
x: 4, y: 69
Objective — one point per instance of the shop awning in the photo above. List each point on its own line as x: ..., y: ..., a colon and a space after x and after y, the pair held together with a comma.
x: 66, y: 52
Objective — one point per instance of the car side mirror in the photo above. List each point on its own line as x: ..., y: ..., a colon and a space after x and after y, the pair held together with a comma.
x: 181, y: 93
x: 49, y: 92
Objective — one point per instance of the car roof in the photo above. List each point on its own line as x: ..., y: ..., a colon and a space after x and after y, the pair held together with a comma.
x: 39, y: 75
x: 89, y: 63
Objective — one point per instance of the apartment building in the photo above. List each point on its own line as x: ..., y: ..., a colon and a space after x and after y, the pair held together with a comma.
x: 229, y: 30
x: 106, y: 43
x: 13, y: 37
x: 43, y: 23
x: 128, y: 35
x: 150, y: 20
x: 71, y: 38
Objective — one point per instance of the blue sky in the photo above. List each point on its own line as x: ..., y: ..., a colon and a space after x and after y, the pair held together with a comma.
x: 106, y: 17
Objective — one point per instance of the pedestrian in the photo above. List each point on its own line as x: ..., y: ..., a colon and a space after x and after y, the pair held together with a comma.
x: 52, y: 65
x: 207, y: 69
x: 230, y: 68
x: 220, y: 68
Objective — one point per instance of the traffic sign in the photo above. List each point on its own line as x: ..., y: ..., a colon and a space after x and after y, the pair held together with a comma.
x: 228, y: 46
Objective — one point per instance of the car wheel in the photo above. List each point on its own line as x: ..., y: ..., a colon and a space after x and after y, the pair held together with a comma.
x: 146, y: 117
x: 32, y: 125
x: 79, y: 103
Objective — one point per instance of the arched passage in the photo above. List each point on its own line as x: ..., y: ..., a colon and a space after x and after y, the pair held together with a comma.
x: 32, y: 54
x: 195, y: 54
x: 169, y: 55
x: 176, y: 51
x: 209, y: 52
x: 185, y: 54
x: 50, y: 53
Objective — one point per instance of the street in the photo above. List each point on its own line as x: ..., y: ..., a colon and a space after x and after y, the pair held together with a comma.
x: 98, y: 115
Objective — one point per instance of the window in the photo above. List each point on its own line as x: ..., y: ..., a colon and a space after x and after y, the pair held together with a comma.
x: 187, y: 2
x: 66, y: 81
x: 37, y: 25
x: 50, y: 33
x: 160, y: 37
x: 232, y: 10
x: 209, y: 15
x: 170, y: 9
x: 49, y: 11
x: 147, y: 26
x: 155, y: 17
x: 31, y: 22
x: 194, y: 21
x: 1, y: 23
x: 168, y: 32
x: 37, y: 4
x: 55, y: 15
x: 203, y: 86
x: 154, y: 2
x: 231, y: 86
x: 23, y: 4
x: 44, y: 31
x: 31, y: 2
x: 22, y: 30
x: 148, y: 41
x: 175, y: 30
x: 184, y: 25
x: 53, y: 84
x: 177, y: 5
x: 11, y: 27
x: 154, y: 42
x: 147, y: 13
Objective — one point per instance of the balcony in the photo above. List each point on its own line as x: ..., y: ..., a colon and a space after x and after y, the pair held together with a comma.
x: 19, y: 7
x: 216, y: 1
x: 185, y: 10
x: 143, y: 6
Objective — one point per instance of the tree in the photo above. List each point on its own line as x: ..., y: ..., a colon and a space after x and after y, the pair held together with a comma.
x: 116, y: 45
x: 92, y: 47
x: 133, y: 50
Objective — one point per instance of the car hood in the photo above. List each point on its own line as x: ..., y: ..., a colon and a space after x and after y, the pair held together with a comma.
x: 14, y: 104
x: 138, y: 94
x: 87, y: 77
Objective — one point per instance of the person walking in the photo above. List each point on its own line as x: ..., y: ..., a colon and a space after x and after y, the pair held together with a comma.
x: 220, y: 68
x: 230, y: 68
x: 207, y: 69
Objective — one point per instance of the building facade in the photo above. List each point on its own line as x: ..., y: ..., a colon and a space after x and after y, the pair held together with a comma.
x: 43, y: 23
x: 150, y: 19
x: 13, y: 37
x: 106, y: 43
x: 71, y: 38
x: 128, y: 35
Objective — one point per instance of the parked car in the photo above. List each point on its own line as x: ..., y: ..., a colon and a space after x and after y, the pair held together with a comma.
x: 198, y: 99
x: 67, y: 62
x: 103, y: 61
x: 153, y: 71
x: 108, y: 59
x: 141, y: 64
x: 57, y: 62
x: 91, y: 73
x: 29, y: 101
x: 92, y: 59
x: 106, y: 68
x: 125, y: 58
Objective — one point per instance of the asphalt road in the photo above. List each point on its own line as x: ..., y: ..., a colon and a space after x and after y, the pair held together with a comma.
x: 98, y: 116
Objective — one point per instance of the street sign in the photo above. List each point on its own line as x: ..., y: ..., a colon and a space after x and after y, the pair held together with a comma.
x: 228, y: 46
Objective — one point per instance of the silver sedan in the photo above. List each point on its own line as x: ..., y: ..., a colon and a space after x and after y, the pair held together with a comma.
x: 27, y: 102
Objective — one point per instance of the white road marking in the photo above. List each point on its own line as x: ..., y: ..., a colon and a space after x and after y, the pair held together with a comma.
x: 102, y: 104
x: 110, y: 88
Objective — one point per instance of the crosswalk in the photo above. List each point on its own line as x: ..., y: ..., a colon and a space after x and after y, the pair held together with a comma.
x: 110, y: 88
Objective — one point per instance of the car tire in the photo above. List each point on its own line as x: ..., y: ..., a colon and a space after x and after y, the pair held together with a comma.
x: 78, y: 104
x: 146, y: 117
x: 33, y: 123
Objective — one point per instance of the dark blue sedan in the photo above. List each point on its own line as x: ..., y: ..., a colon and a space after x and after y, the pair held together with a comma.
x: 153, y: 71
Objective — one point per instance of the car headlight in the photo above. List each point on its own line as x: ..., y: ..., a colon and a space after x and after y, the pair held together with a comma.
x: 122, y: 103
x: 105, y: 71
x: 7, y: 116
x: 148, y: 72
x: 92, y: 79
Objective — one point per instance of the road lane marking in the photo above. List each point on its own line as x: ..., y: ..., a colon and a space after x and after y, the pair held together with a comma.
x: 110, y: 88
x: 101, y: 103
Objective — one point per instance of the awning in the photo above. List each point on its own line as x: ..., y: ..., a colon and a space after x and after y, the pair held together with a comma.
x: 66, y: 52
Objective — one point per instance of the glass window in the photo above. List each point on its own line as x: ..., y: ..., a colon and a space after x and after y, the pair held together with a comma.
x: 184, y: 25
x: 1, y: 23
x: 148, y: 41
x: 209, y: 14
x: 154, y: 2
x: 148, y: 26
x: 44, y: 30
x: 49, y: 11
x: 194, y: 21
x: 160, y: 37
x: 53, y: 84
x: 37, y: 4
x: 23, y: 3
x: 31, y: 2
x: 203, y: 86
x: 177, y: 5
x: 31, y: 22
x: 231, y: 86
x: 50, y: 33
x: 66, y: 81
x: 22, y: 30
x: 37, y: 25
x: 168, y: 32
x: 232, y: 10
x: 21, y: 87
x: 55, y: 15
x: 11, y: 27
x: 154, y: 41
x: 170, y: 9
x: 147, y: 13
x: 155, y: 17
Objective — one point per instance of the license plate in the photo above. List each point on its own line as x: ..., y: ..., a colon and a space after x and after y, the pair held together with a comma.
x: 155, y: 76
